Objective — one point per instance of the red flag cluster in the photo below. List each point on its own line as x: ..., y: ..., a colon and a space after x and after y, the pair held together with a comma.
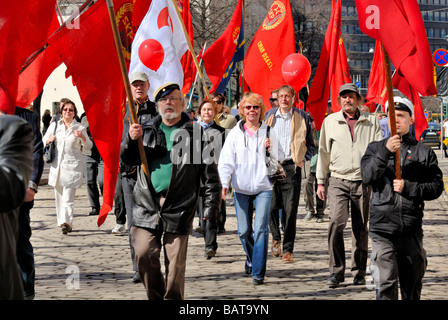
x: 398, y: 25
x: 272, y: 43
x: 332, y: 70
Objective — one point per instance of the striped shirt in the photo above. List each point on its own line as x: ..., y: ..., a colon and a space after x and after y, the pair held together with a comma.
x: 282, y: 127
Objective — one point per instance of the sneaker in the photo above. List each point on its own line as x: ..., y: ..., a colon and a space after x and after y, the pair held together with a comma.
x: 287, y: 258
x: 257, y: 282
x: 247, y: 268
x: 320, y: 219
x: 308, y: 216
x: 119, y: 230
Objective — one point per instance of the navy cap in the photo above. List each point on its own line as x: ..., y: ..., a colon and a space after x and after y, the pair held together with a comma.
x: 164, y: 90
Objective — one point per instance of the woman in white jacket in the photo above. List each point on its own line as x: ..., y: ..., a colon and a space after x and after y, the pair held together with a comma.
x: 243, y: 160
x: 67, y: 168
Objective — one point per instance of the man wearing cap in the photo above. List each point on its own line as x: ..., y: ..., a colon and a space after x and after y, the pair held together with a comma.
x: 165, y: 203
x: 396, y: 208
x: 343, y: 140
x: 145, y: 110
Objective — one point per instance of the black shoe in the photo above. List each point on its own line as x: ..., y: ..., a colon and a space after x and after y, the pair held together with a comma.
x: 334, y: 280
x: 136, y: 278
x: 257, y: 282
x: 359, y: 281
x: 94, y: 212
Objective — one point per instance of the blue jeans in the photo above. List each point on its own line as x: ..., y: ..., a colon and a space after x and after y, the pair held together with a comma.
x: 254, y: 240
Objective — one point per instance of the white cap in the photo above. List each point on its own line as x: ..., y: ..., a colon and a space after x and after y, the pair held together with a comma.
x: 401, y: 104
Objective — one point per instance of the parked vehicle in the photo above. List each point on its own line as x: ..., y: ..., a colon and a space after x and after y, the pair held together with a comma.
x: 431, y: 136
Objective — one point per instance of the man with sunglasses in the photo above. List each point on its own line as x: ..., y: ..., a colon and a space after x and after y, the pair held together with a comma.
x: 227, y: 121
x: 293, y: 127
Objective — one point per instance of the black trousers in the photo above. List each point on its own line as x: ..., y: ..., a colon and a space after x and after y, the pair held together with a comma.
x: 397, y: 260
x: 285, y: 196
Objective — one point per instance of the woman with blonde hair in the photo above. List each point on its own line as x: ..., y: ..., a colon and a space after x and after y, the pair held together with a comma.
x: 243, y: 161
x: 67, y: 168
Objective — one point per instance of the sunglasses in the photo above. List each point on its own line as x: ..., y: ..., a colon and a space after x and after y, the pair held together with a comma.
x: 273, y: 99
x: 252, y: 107
x: 68, y: 110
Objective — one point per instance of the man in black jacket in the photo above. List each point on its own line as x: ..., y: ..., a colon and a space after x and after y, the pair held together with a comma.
x: 165, y: 201
x: 396, y: 207
x: 16, y: 164
x: 25, y: 252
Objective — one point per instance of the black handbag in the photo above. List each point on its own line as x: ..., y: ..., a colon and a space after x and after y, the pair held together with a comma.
x: 276, y: 172
x: 50, y: 149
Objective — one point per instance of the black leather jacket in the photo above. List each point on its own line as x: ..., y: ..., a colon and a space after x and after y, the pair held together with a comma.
x: 16, y: 161
x: 145, y: 112
x: 177, y: 212
x: 390, y: 212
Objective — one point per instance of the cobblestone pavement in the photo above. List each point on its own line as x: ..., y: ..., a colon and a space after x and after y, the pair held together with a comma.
x: 91, y: 263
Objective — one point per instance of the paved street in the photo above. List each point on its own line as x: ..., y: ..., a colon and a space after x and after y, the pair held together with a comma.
x: 91, y: 263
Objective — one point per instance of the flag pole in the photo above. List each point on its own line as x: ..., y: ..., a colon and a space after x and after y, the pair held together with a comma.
x: 391, y: 111
x: 190, y: 46
x: 195, y: 78
x: 127, y: 85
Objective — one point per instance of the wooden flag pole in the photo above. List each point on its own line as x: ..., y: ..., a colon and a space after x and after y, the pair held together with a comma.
x: 127, y: 85
x: 190, y: 46
x: 391, y: 111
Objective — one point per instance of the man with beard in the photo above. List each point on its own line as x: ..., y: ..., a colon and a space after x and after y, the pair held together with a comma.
x: 344, y: 138
x: 166, y: 198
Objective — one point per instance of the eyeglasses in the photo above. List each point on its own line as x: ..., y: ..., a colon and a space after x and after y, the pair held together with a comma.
x: 166, y: 99
x: 218, y: 101
x: 68, y: 110
x: 251, y: 107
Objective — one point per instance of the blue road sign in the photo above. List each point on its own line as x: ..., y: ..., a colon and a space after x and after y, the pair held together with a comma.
x: 440, y: 57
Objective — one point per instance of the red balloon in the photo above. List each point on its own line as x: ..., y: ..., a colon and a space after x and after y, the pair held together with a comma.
x: 151, y: 54
x: 296, y: 70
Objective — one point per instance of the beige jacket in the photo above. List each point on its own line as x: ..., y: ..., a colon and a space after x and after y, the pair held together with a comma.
x: 338, y: 154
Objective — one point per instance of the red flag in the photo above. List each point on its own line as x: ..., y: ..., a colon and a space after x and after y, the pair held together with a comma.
x: 420, y: 122
x: 139, y: 12
x: 91, y: 58
x: 377, y: 90
x: 218, y: 56
x: 398, y: 24
x: 340, y: 76
x: 187, y: 60
x: 321, y: 85
x: 34, y: 76
x: 24, y: 27
x: 272, y: 43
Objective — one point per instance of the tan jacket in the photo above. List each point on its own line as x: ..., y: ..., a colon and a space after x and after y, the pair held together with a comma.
x: 302, y: 142
x: 338, y: 154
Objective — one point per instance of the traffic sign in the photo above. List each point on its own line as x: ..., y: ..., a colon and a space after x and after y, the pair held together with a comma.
x: 440, y: 57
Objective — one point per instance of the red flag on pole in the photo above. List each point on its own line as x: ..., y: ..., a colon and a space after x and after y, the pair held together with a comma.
x: 377, y: 90
x: 321, y: 85
x: 187, y: 60
x: 34, y: 76
x: 340, y: 76
x: 219, y: 55
x: 99, y: 82
x: 398, y: 24
x: 272, y: 43
x: 24, y: 27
